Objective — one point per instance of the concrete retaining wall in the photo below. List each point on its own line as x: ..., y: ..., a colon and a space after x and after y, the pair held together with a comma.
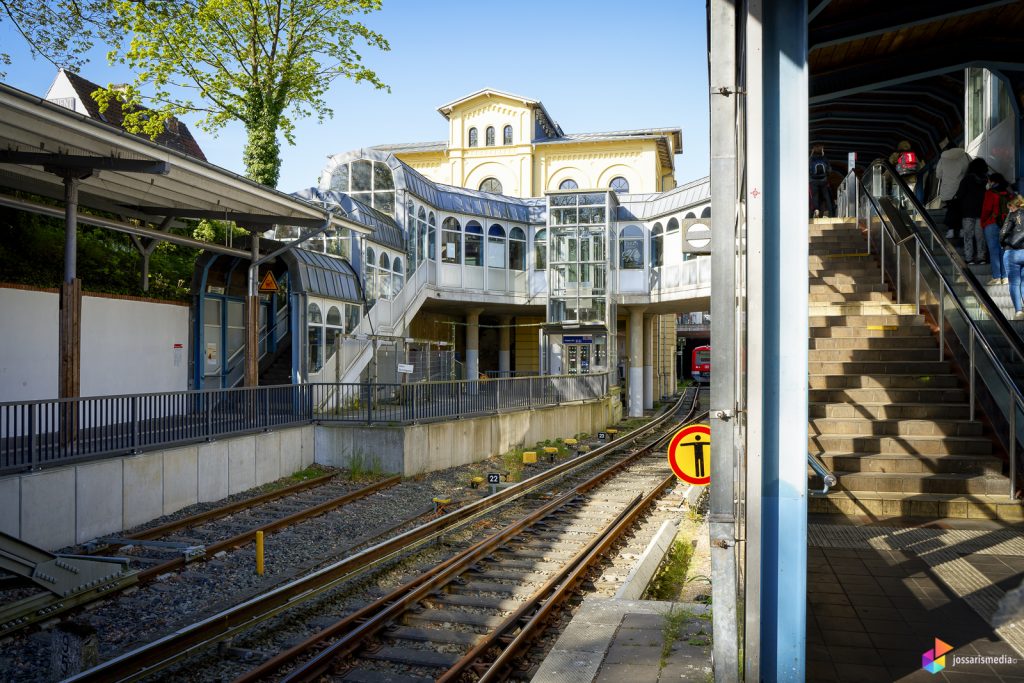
x: 62, y: 506
x: 433, y: 446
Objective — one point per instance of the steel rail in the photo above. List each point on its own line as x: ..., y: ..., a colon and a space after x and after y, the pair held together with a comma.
x: 169, y: 649
x: 231, y: 508
x: 363, y: 623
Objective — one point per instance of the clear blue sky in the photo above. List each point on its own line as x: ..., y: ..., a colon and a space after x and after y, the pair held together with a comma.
x: 596, y: 66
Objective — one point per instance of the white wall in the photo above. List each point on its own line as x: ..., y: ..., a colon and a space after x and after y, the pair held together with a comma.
x: 127, y: 346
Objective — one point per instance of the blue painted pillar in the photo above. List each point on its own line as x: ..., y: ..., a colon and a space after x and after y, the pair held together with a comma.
x: 784, y: 140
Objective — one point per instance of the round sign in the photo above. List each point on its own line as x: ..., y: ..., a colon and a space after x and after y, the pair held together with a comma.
x: 689, y: 454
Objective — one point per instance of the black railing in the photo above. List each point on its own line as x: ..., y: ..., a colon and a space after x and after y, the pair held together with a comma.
x: 37, y: 434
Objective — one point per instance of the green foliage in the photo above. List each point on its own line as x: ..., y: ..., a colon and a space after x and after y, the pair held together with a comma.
x: 262, y: 64
x: 671, y: 577
x: 362, y: 465
x: 59, y: 31
x: 32, y: 253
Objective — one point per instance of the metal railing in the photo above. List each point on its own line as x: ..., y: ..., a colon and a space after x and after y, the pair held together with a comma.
x: 38, y: 434
x: 914, y: 257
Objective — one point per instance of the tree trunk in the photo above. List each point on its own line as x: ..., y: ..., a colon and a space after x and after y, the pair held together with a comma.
x: 263, y: 151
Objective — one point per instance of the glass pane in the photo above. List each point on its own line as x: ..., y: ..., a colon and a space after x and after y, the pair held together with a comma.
x: 315, y: 348
x: 364, y: 197
x: 516, y: 234
x: 516, y: 255
x: 314, y: 315
x: 620, y: 184
x: 450, y: 247
x: 333, y: 316
x: 495, y: 252
x: 975, y: 102
x: 351, y: 317
x: 631, y: 253
x: 540, y: 255
x: 473, y: 246
x: 361, y: 171
x: 382, y: 178
x: 339, y: 179
x: 384, y: 202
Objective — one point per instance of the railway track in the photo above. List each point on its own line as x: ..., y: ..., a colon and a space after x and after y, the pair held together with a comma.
x: 192, y: 642
x: 158, y: 550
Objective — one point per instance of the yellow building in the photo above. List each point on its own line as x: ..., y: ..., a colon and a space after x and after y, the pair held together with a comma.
x: 508, y: 144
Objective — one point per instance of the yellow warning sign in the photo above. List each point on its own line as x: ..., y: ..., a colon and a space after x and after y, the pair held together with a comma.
x: 689, y: 454
x: 268, y: 285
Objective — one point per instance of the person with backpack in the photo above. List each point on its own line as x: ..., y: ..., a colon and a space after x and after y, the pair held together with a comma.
x: 994, y: 210
x: 821, y: 196
x: 970, y: 197
x: 1011, y: 238
x: 907, y: 163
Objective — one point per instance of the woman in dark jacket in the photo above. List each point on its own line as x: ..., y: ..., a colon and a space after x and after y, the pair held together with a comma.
x: 1011, y: 237
x: 970, y: 197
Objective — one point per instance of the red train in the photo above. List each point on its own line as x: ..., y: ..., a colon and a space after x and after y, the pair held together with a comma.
x: 701, y: 367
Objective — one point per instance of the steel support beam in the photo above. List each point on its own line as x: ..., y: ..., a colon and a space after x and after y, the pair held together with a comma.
x: 83, y: 162
x: 781, y: 133
x: 725, y: 207
x: 636, y: 361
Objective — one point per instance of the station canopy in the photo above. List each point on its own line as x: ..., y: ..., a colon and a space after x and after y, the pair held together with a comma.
x: 131, y: 176
x: 883, y: 71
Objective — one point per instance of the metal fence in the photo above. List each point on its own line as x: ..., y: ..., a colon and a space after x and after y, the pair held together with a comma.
x: 37, y: 434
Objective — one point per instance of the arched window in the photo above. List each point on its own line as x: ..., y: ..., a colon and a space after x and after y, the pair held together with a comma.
x: 507, y: 135
x: 568, y: 184
x: 370, y: 182
x: 631, y: 248
x: 489, y: 136
x: 398, y: 278
x: 370, y: 276
x: 706, y: 213
x: 491, y: 185
x: 412, y: 237
x: 314, y: 338
x: 384, y: 277
x: 432, y: 237
x: 517, y: 249
x: 540, y: 250
x: 473, y: 137
x: 689, y: 215
x: 332, y: 330
x: 496, y: 246
x: 657, y: 246
x: 619, y: 184
x: 474, y: 244
x: 673, y: 225
x: 451, y: 241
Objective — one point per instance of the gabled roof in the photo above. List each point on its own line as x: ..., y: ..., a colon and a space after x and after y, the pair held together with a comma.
x: 399, y: 147
x: 446, y: 109
x: 649, y: 206
x: 176, y: 136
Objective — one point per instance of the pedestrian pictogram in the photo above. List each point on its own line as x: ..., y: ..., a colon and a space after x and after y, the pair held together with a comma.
x: 268, y: 285
x: 689, y: 454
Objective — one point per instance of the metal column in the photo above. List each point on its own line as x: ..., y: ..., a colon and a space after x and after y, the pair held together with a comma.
x: 781, y: 135
x: 636, y: 360
x: 649, y: 322
x: 724, y: 359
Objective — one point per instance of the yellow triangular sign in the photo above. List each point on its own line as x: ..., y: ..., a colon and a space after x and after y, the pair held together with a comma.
x: 268, y: 285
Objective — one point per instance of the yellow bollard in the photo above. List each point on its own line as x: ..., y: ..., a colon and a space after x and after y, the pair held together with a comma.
x: 259, y: 553
x: 529, y: 457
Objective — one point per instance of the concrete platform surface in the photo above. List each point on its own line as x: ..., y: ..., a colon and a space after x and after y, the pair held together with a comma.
x: 611, y: 641
x: 878, y: 597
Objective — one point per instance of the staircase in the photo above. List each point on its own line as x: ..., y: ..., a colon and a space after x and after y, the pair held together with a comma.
x: 889, y: 418
x: 279, y: 370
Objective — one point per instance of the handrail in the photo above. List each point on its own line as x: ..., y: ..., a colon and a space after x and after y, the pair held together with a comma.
x: 977, y: 290
x: 828, y: 477
x: 1010, y: 337
x: 946, y: 288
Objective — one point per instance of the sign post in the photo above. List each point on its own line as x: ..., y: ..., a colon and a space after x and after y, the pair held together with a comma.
x: 689, y: 454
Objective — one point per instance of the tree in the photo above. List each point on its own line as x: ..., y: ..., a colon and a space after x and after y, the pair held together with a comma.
x: 60, y: 31
x: 261, y: 62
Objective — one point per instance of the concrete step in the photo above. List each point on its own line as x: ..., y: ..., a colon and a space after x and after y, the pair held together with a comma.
x: 907, y: 444
x: 925, y: 506
x: 848, y: 297
x: 883, y: 381
x: 866, y: 426
x: 893, y: 463
x: 884, y: 410
x: 916, y: 482
x: 828, y: 277
x: 861, y: 355
x: 856, y: 272
x: 919, y: 368
x: 849, y: 287
x: 867, y: 308
x: 904, y: 342
x: 868, y: 395
x: 852, y: 246
x: 871, y: 327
